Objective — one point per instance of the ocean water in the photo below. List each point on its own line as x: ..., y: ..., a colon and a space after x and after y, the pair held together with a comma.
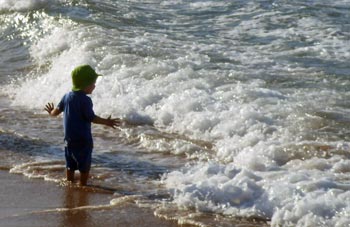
x: 233, y: 110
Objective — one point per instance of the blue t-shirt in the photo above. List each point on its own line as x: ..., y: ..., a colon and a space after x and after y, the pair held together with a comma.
x: 78, y: 115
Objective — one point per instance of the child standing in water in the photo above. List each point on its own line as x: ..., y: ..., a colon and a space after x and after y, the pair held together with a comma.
x: 78, y: 115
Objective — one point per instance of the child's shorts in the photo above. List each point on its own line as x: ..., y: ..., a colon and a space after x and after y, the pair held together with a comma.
x: 78, y: 158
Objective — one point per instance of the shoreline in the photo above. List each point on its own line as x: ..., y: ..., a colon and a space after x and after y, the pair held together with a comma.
x: 34, y: 202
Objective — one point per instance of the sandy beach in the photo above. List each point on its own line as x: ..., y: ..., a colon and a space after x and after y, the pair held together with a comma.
x: 33, y: 202
x: 36, y: 203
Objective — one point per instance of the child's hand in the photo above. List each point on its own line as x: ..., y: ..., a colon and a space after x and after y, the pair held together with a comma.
x: 113, y: 122
x: 49, y: 107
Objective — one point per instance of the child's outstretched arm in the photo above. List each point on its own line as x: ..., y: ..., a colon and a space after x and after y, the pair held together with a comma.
x: 111, y: 122
x: 50, y: 108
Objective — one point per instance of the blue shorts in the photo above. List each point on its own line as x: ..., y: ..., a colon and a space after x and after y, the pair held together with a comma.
x: 78, y: 158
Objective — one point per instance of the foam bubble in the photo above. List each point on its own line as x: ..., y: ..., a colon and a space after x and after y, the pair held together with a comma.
x: 217, y: 188
x: 316, y: 209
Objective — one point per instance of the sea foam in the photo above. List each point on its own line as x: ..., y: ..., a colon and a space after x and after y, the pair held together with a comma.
x: 22, y: 5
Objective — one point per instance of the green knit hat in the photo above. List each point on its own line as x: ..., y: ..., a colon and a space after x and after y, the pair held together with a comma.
x: 83, y: 76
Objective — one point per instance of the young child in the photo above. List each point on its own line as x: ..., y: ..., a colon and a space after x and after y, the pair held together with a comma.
x: 78, y: 115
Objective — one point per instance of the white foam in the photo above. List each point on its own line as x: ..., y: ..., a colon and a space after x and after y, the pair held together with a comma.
x: 299, y: 198
x: 217, y: 188
x: 52, y: 45
x: 316, y: 209
x: 49, y: 170
x: 22, y: 5
x: 60, y: 47
x: 206, y: 5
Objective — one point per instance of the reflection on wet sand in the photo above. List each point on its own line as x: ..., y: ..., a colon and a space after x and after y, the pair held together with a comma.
x: 74, y: 198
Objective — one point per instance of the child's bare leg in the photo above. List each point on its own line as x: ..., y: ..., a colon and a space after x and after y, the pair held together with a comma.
x: 84, y: 176
x: 70, y: 175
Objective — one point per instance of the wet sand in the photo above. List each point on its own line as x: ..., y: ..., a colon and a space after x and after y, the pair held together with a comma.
x: 34, y: 202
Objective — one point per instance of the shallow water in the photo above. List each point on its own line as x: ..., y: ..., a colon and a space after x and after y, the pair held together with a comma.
x: 231, y: 109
